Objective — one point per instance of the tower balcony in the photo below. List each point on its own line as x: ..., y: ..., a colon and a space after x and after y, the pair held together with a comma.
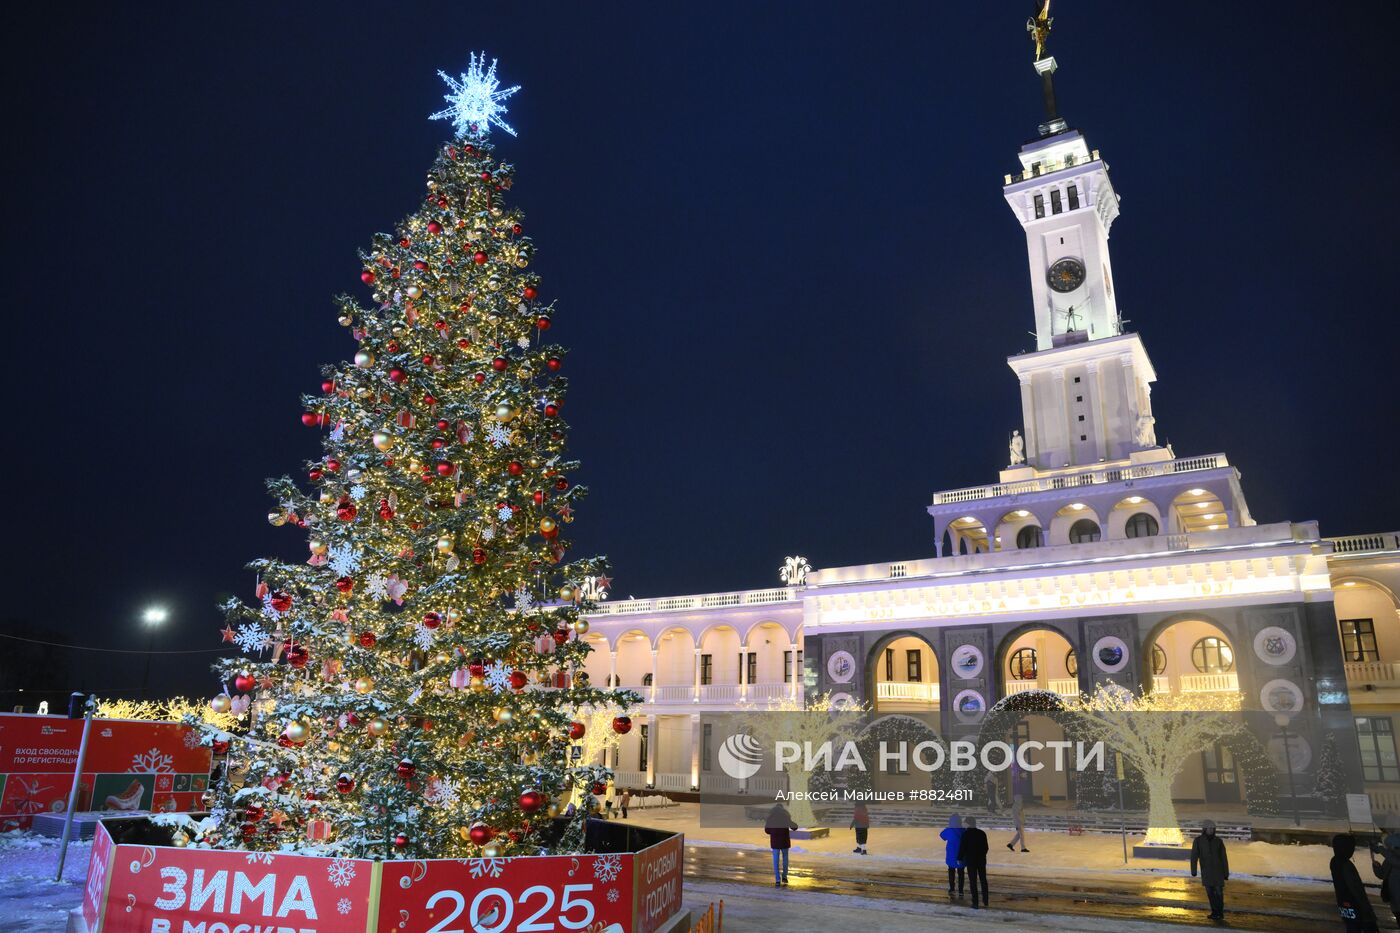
x: 1074, y: 478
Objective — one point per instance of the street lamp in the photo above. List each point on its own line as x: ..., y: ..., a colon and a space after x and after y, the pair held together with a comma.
x: 1282, y: 720
x: 152, y: 618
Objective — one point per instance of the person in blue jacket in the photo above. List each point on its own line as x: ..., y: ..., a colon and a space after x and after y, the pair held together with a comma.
x: 952, y: 838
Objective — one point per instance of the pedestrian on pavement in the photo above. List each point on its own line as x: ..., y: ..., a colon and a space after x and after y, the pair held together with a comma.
x: 860, y: 822
x: 1208, y: 855
x: 779, y: 827
x: 991, y: 787
x: 1352, y: 902
x: 1018, y: 820
x: 625, y: 801
x: 952, y: 840
x: 972, y: 852
x: 1385, y: 869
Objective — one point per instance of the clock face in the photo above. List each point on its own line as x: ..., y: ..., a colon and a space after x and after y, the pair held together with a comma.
x: 1065, y: 275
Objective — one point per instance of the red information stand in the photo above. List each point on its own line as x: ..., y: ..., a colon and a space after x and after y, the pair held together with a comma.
x: 131, y: 765
x: 162, y: 889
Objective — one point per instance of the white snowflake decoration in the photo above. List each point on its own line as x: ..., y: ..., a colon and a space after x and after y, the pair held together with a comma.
x: 343, y: 906
x: 523, y: 343
x: 152, y: 761
x: 250, y: 638
x: 441, y: 793
x: 340, y: 872
x: 477, y: 99
x: 423, y: 637
x: 505, y: 513
x: 343, y: 559
x: 358, y: 492
x: 486, y: 867
x: 498, y: 435
x: 613, y: 895
x: 374, y: 586
x: 259, y: 858
x: 192, y: 739
x: 497, y: 676
x: 488, y: 533
x: 606, y: 868
x: 269, y: 610
x: 523, y: 600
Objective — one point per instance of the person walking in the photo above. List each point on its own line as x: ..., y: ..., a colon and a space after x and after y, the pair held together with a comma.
x: 990, y: 785
x: 779, y: 827
x: 952, y: 841
x: 860, y: 822
x: 1208, y: 855
x: 624, y: 802
x: 1385, y: 870
x: 1018, y: 820
x: 972, y: 852
x: 1352, y: 902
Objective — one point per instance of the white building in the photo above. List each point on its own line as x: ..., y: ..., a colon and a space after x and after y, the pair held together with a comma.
x: 1096, y: 555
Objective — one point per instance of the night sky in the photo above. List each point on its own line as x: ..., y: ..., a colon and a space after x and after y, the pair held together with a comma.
x: 777, y: 239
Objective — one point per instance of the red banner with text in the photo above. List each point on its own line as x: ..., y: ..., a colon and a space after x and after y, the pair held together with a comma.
x: 99, y: 872
x: 657, y: 883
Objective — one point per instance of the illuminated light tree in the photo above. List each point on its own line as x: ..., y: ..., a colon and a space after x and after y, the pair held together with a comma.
x: 414, y: 677
x: 1158, y: 734
x: 175, y: 709
x: 817, y: 721
x: 597, y: 739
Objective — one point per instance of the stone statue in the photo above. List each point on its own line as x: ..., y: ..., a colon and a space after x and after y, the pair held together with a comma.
x: 1018, y: 448
x: 1146, y: 431
x: 1039, y: 28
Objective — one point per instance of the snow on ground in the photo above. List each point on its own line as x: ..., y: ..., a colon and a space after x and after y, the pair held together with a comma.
x: 30, y: 900
x: 780, y: 911
x: 1055, y: 853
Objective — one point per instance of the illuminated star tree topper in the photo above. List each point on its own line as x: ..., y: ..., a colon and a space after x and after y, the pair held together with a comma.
x: 477, y: 100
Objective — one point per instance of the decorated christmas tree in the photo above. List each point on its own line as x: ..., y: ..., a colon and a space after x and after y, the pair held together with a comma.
x: 411, y: 683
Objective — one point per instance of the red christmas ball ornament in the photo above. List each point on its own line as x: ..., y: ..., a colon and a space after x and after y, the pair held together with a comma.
x: 529, y: 291
x: 431, y: 620
x: 420, y: 265
x: 551, y: 410
x: 554, y: 363
x: 345, y: 509
x: 599, y: 789
x: 476, y: 669
x: 499, y: 364
x: 428, y: 357
x: 394, y: 272
x: 385, y: 512
x: 485, y: 176
x: 515, y: 468
x: 577, y: 730
x: 219, y: 747
x: 315, y: 474
x: 479, y: 258
x: 478, y: 556
x: 561, y: 636
x: 311, y: 419
x: 443, y: 424
x: 244, y: 683
x: 367, y: 277
x: 434, y: 227
x: 481, y: 834
x: 622, y: 724
x: 406, y: 768
x: 392, y: 346
x: 345, y: 784
x: 445, y: 468
x: 538, y: 496
x: 532, y: 800
x: 297, y: 655
x: 249, y: 830
x: 404, y: 241
x: 280, y: 601
x: 253, y: 813
x: 328, y: 387
x: 479, y: 378
x: 345, y: 584
x: 439, y: 443
x: 367, y: 639
x: 400, y: 840
x: 517, y: 229
x: 561, y: 484
x: 518, y: 680
x: 397, y: 375
x: 463, y: 342
x: 333, y: 465
x: 543, y: 322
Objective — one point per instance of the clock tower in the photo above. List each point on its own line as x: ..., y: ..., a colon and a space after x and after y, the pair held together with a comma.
x: 1085, y: 391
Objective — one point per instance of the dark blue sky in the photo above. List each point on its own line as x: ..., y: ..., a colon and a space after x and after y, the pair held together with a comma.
x: 775, y: 232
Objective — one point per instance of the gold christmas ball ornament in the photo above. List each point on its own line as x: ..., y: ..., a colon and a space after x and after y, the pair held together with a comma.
x: 491, y: 851
x: 297, y: 731
x: 345, y: 320
x: 477, y: 684
x: 502, y: 715
x: 317, y: 546
x: 444, y: 545
x: 566, y: 592
x: 414, y: 292
x: 378, y: 726
x: 332, y: 746
x: 325, y: 498
x: 506, y: 412
x: 277, y: 519
x: 454, y: 616
x: 364, y: 359
x: 221, y: 703
x: 180, y: 840
x: 580, y: 626
x: 382, y: 440
x: 552, y: 810
x: 364, y: 685
x: 548, y: 526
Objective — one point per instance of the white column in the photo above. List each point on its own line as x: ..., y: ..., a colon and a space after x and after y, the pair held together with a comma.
x: 1093, y: 391
x: 1062, y: 414
x: 612, y: 667
x: 743, y: 668
x: 796, y: 672
x: 655, y: 674
x: 697, y: 675
x: 653, y: 746
x: 1028, y: 421
x: 695, y: 751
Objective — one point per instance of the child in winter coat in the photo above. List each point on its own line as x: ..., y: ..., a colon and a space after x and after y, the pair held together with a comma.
x: 860, y: 822
x: 779, y: 826
x: 952, y: 839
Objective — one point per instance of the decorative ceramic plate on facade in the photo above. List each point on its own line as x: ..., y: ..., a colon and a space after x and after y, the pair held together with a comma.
x: 1111, y: 654
x: 969, y: 706
x: 967, y: 661
x: 1275, y: 645
x: 1281, y: 696
x: 841, y: 667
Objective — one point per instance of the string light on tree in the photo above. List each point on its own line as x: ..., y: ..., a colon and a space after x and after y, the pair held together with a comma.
x: 477, y: 99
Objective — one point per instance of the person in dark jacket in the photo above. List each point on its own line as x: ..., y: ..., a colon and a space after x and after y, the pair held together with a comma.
x: 860, y: 822
x: 952, y: 841
x: 1386, y: 871
x: 1208, y: 855
x: 972, y: 852
x: 1352, y: 902
x: 779, y: 827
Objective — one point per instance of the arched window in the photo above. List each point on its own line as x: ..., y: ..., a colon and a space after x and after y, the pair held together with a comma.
x: 1072, y: 663
x: 1141, y: 525
x: 646, y: 680
x: 1029, y: 537
x: 614, y: 681
x: 1159, y: 660
x: 1213, y: 655
x: 1084, y: 531
x: 1023, y: 664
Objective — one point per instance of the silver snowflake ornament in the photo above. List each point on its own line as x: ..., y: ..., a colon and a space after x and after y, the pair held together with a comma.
x: 505, y: 513
x: 423, y: 637
x: 497, y: 676
x: 343, y: 559
x: 477, y: 100
x: 523, y: 600
x: 499, y: 436
x: 357, y: 492
x: 250, y: 638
